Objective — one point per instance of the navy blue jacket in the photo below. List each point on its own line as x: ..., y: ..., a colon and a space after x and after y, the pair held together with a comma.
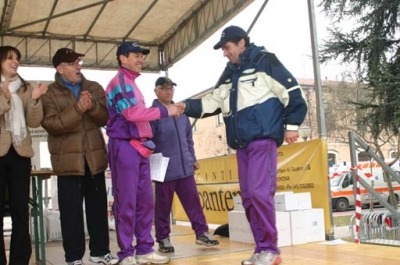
x: 173, y: 138
x: 258, y: 97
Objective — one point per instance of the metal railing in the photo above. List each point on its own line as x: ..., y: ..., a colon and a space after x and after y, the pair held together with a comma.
x: 374, y: 227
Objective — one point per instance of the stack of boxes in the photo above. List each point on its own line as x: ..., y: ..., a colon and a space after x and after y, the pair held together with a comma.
x: 239, y: 228
x: 297, y: 222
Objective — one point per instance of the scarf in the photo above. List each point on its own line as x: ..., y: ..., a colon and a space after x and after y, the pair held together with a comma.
x: 15, y: 118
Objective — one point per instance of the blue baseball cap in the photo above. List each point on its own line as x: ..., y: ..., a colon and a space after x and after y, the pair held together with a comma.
x: 129, y: 46
x: 228, y: 34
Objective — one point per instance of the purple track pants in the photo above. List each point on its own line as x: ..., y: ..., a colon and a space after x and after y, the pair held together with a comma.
x: 257, y: 165
x: 133, y: 198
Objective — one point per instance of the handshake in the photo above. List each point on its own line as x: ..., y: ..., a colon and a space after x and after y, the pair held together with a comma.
x: 176, y: 109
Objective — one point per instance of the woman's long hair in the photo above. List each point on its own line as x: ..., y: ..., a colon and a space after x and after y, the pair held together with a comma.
x: 4, y: 52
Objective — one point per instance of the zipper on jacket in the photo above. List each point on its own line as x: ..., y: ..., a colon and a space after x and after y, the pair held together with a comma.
x: 84, y: 135
x: 180, y: 146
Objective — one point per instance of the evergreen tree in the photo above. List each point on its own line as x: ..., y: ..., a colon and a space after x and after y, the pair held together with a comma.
x: 373, y: 44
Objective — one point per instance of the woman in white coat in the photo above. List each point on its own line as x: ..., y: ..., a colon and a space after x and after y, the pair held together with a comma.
x: 20, y: 108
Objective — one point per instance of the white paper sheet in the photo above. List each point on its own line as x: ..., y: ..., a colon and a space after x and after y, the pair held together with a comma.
x: 158, y: 166
x: 334, y: 242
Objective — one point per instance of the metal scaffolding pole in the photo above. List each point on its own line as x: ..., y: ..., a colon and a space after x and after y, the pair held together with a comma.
x: 317, y: 71
x: 318, y: 91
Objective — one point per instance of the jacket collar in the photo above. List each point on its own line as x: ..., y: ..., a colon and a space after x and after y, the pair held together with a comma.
x: 129, y: 73
x: 62, y: 82
x: 247, y: 55
x: 157, y: 103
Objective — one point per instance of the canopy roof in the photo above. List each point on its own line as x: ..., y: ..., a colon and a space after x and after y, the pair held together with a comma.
x: 170, y: 28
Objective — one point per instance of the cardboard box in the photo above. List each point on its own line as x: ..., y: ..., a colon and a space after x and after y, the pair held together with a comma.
x: 237, y: 203
x: 239, y: 227
x: 284, y: 230
x: 316, y: 225
x: 298, y: 225
x: 293, y: 201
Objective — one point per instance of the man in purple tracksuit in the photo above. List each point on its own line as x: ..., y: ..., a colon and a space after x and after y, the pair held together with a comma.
x: 263, y: 105
x: 129, y: 132
x: 173, y: 138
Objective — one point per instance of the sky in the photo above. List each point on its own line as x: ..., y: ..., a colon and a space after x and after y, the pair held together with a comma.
x: 282, y: 28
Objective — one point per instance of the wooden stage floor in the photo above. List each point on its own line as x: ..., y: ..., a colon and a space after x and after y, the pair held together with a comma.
x: 229, y: 252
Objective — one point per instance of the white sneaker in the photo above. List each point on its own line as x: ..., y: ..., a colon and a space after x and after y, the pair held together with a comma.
x: 251, y: 260
x: 152, y: 257
x: 106, y: 259
x: 268, y: 258
x: 128, y: 261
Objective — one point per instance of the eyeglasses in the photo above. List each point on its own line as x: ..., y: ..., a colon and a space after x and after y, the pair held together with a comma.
x: 167, y: 88
x: 74, y: 64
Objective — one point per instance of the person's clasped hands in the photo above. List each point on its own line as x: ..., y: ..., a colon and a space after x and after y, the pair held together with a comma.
x: 85, y: 101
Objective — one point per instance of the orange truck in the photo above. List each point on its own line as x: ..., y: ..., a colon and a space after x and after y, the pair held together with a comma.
x: 342, y: 191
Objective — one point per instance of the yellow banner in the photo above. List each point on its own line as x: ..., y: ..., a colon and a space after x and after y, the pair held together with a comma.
x: 302, y: 167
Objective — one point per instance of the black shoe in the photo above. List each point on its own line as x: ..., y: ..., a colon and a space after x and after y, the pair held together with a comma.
x: 165, y: 246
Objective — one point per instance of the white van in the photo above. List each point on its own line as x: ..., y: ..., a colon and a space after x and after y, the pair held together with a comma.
x: 341, y: 184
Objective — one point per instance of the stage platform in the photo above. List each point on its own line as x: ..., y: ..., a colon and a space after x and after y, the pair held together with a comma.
x: 228, y: 252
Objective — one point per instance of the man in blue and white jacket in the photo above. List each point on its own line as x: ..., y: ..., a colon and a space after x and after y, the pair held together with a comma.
x: 263, y: 106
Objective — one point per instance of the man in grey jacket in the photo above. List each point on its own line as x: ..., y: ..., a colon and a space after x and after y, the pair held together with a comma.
x: 173, y: 138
